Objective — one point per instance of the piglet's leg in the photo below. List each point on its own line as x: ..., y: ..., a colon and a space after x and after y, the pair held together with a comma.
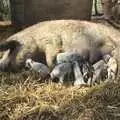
x: 78, y: 75
x: 61, y: 80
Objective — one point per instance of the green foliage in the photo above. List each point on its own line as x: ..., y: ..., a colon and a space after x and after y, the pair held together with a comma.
x: 4, y: 10
x: 99, y: 7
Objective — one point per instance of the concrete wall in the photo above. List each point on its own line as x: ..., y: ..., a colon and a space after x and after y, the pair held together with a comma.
x: 28, y: 12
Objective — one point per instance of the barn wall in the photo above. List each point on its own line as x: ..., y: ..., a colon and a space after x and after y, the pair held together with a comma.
x: 33, y: 11
x: 17, y: 12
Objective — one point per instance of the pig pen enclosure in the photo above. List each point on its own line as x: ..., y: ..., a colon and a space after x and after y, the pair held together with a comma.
x: 23, y: 97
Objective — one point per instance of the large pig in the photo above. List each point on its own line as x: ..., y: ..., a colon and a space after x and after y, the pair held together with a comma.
x: 41, y: 41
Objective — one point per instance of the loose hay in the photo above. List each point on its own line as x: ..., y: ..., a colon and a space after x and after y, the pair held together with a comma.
x: 30, y: 100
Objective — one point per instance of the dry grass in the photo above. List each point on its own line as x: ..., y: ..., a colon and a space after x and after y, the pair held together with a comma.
x: 24, y: 97
x: 27, y: 99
